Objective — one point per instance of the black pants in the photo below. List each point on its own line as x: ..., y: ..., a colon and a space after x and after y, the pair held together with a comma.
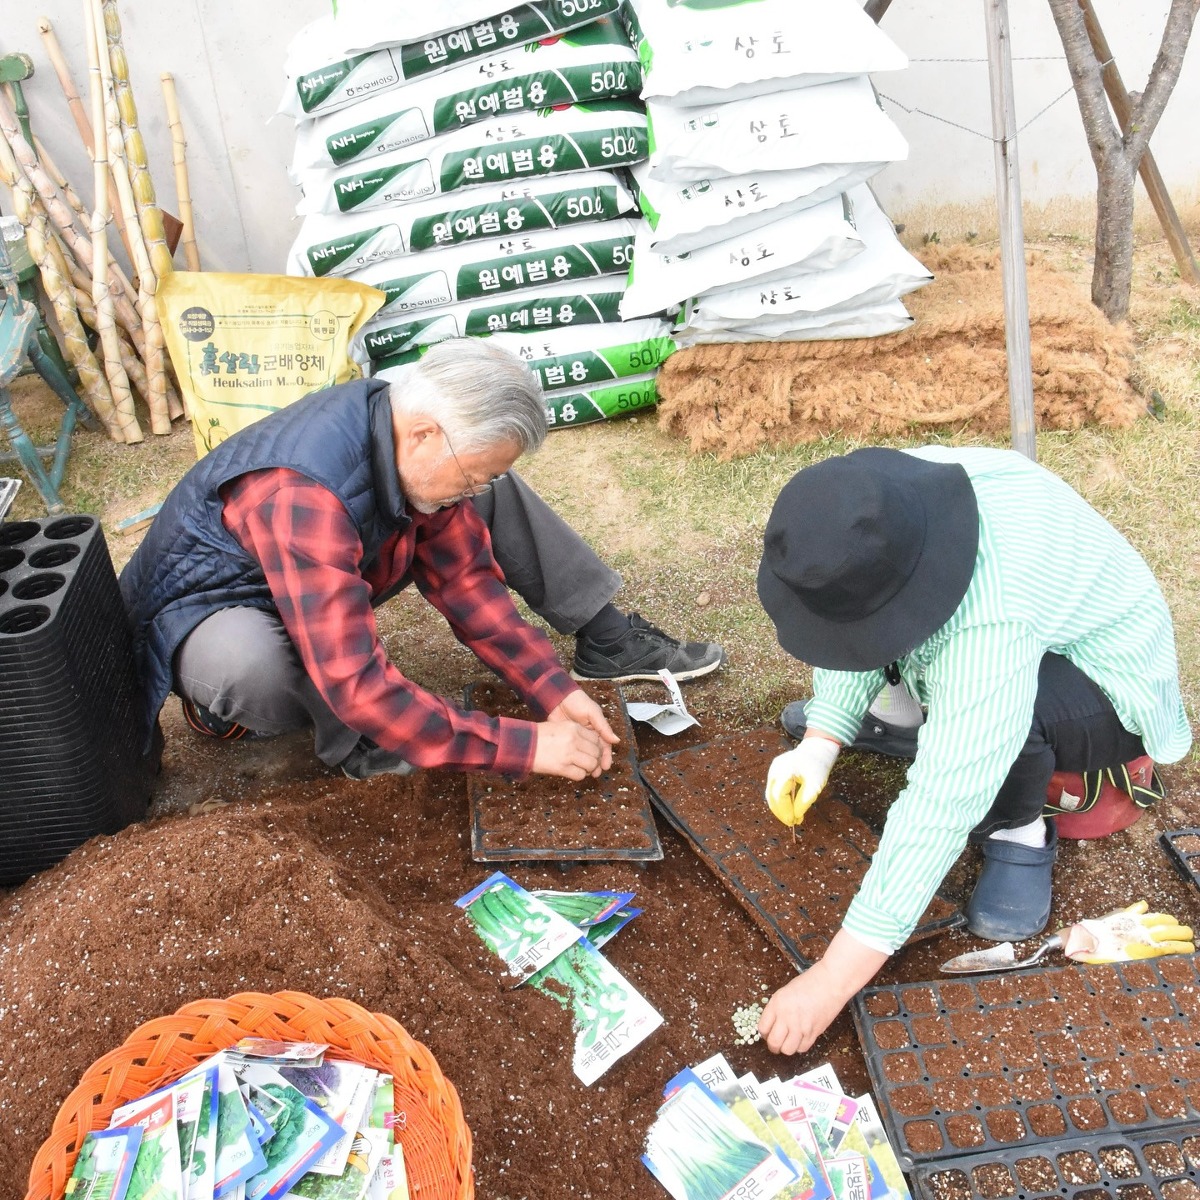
x: 1075, y: 728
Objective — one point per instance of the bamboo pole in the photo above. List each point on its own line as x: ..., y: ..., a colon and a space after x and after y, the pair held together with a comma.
x: 138, y: 163
x: 75, y: 104
x: 58, y: 289
x: 60, y: 215
x: 154, y: 354
x: 106, y: 325
x: 183, y: 187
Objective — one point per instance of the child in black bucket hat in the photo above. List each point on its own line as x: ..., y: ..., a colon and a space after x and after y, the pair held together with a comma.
x: 1032, y: 631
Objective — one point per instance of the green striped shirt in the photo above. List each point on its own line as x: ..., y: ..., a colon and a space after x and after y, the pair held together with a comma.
x: 1051, y: 575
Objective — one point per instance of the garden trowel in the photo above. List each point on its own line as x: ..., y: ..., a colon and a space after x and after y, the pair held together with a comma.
x: 1002, y: 957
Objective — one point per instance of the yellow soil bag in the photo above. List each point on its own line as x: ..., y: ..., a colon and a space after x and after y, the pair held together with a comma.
x: 245, y: 345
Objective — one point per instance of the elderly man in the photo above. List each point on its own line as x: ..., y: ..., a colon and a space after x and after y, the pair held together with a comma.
x: 252, y: 593
x: 1032, y: 631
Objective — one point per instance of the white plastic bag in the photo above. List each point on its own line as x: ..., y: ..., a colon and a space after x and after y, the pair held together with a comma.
x: 874, y: 320
x: 688, y: 214
x: 477, y: 270
x: 578, y: 137
x: 565, y: 305
x: 341, y: 243
x: 323, y: 74
x: 594, y: 62
x: 813, y: 239
x: 884, y: 271
x: 705, y: 52
x: 806, y: 127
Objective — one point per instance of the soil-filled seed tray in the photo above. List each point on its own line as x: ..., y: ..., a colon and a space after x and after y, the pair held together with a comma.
x: 1158, y: 1163
x: 973, y: 1065
x: 796, y: 887
x: 544, y: 818
x: 1183, y: 849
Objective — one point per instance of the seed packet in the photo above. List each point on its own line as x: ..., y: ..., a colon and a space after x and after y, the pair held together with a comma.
x: 516, y: 925
x: 351, y: 1183
x: 344, y: 1091
x: 157, y: 1171
x: 867, y: 1120
x: 274, y: 1050
x: 610, y: 1016
x: 804, y: 1158
x: 104, y: 1165
x: 583, y: 909
x: 697, y: 1149
x: 390, y: 1181
x: 603, y: 933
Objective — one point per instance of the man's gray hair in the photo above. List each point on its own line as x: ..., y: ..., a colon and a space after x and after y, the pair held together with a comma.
x: 480, y: 394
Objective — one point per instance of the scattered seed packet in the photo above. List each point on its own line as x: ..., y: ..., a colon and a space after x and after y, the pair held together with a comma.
x: 698, y: 1150
x: 344, y: 1092
x: 105, y: 1164
x: 353, y: 1180
x: 849, y: 1177
x: 584, y: 909
x: 867, y: 1120
x: 238, y: 1155
x: 273, y: 1050
x: 157, y: 1171
x: 603, y: 933
x: 812, y: 1180
x: 200, y: 1178
x: 526, y: 933
x: 390, y: 1181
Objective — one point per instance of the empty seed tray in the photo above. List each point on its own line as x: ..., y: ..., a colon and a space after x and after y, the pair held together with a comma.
x: 1047, y: 1055
x: 796, y: 887
x: 1183, y: 849
x: 1156, y: 1164
x: 544, y: 818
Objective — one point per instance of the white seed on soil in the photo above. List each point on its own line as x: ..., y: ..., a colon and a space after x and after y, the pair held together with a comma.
x: 745, y: 1023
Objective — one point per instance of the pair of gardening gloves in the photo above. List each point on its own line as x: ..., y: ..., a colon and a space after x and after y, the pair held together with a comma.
x: 797, y: 777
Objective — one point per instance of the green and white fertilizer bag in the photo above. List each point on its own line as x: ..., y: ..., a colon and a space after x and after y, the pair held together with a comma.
x: 331, y: 64
x: 565, y: 305
x: 708, y: 51
x: 873, y: 320
x: 687, y: 214
x: 813, y: 239
x: 834, y: 123
x: 590, y: 374
x: 883, y: 272
x: 552, y: 141
x: 484, y: 269
x: 594, y: 62
x: 341, y: 243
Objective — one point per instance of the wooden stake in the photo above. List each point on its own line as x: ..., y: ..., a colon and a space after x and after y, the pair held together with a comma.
x: 182, y: 185
x: 106, y: 325
x: 1012, y: 230
x: 75, y: 104
x: 1156, y: 188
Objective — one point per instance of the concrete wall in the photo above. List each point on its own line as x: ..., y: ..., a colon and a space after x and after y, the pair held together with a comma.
x: 227, y: 60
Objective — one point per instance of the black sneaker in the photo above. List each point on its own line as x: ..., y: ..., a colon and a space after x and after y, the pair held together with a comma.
x: 640, y: 653
x: 368, y: 759
x: 896, y: 741
x: 210, y: 725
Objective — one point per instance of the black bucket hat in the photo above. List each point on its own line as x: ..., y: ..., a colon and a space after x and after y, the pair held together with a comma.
x: 866, y: 555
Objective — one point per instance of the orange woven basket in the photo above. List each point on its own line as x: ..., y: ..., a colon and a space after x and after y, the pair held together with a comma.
x: 434, y: 1136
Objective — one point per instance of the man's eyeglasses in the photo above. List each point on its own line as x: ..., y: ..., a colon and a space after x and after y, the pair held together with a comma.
x: 472, y: 489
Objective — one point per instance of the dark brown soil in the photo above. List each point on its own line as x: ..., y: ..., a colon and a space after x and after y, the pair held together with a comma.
x: 993, y: 1181
x: 596, y: 820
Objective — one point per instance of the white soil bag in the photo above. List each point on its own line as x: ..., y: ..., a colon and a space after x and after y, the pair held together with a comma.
x: 872, y: 321
x: 602, y: 136
x: 482, y: 269
x: 884, y: 271
x: 834, y: 123
x: 705, y: 52
x: 324, y: 74
x: 813, y: 239
x: 565, y: 305
x: 688, y: 214
x: 594, y: 62
x: 339, y: 244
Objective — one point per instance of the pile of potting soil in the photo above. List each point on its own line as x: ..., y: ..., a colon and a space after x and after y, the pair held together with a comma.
x: 948, y: 369
x: 347, y: 889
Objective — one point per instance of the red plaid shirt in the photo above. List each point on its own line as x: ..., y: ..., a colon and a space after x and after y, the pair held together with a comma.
x: 310, y: 551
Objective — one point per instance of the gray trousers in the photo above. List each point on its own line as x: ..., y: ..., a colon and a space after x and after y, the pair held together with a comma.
x: 241, y: 665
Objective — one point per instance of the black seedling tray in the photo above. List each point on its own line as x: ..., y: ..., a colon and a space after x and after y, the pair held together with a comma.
x: 1183, y: 849
x: 1159, y: 1163
x: 572, y: 822
x: 966, y: 1066
x: 796, y: 887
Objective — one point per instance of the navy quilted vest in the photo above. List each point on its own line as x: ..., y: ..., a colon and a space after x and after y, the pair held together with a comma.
x: 189, y: 566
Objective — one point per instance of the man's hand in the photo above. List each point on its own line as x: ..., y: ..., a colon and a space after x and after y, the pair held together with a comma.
x: 797, y: 777
x: 583, y: 710
x: 574, y: 740
x: 802, y: 1010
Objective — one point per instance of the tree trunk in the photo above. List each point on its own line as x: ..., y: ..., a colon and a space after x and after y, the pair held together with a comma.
x: 1112, y: 276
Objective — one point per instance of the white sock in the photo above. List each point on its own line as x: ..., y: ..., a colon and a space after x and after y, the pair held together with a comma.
x: 897, y: 706
x: 1032, y: 835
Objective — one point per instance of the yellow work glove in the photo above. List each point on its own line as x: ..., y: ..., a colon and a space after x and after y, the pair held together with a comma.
x: 1130, y: 933
x: 797, y: 777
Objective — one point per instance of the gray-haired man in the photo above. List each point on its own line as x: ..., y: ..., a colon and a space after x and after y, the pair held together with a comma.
x: 252, y: 595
